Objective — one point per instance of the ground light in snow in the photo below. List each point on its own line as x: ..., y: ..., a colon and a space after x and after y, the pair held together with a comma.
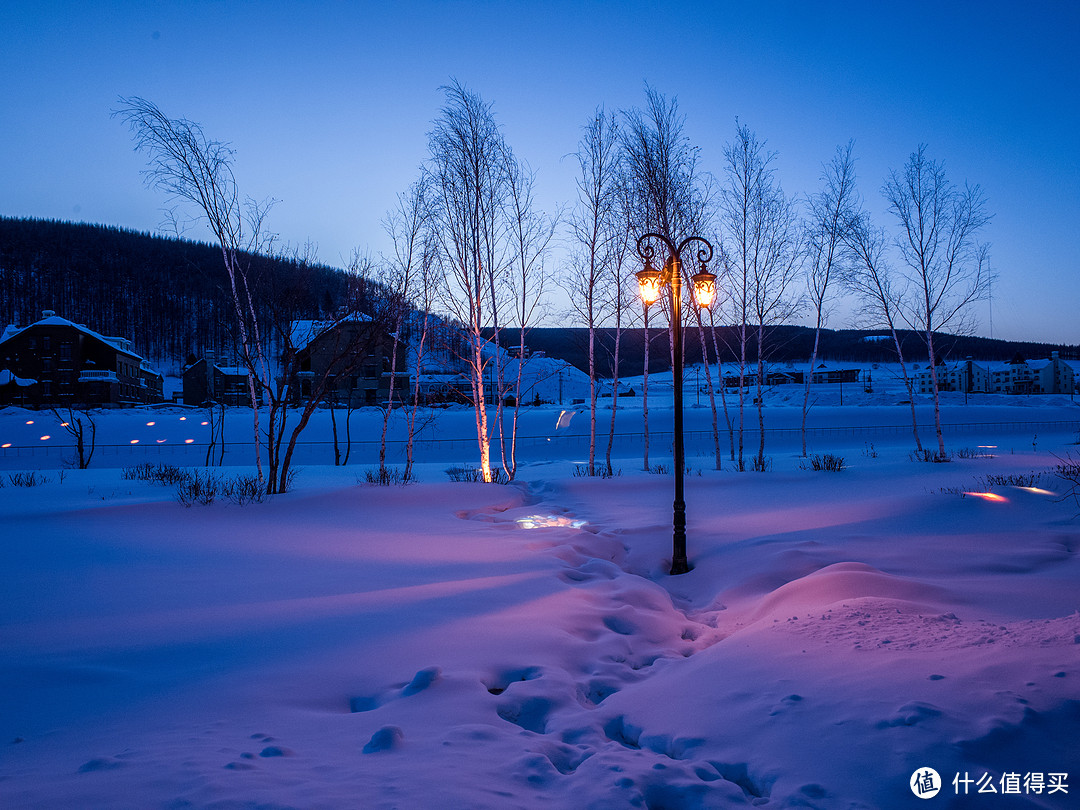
x: 46, y: 437
x: 989, y: 496
x: 1037, y: 490
x: 549, y: 521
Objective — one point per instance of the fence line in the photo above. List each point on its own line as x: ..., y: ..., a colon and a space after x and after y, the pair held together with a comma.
x: 195, y: 453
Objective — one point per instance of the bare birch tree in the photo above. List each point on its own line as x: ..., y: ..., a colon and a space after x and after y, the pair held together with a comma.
x: 870, y: 277
x: 468, y: 195
x: 830, y: 216
x: 190, y: 167
x: 763, y: 257
x: 938, y: 242
x: 406, y: 225
x: 529, y: 235
x: 594, y: 225
x: 668, y: 194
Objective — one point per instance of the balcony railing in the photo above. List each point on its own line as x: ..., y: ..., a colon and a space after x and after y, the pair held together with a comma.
x: 97, y: 376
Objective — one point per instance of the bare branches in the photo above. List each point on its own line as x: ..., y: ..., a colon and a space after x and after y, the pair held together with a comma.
x: 939, y: 226
x: 947, y: 268
x: 668, y: 191
x: 468, y: 172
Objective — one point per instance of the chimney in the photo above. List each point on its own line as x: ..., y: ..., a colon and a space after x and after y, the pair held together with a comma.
x: 47, y: 313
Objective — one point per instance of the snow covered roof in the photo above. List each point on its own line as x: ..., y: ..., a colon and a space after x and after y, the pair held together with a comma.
x: 55, y: 320
x: 7, y: 377
x: 303, y: 332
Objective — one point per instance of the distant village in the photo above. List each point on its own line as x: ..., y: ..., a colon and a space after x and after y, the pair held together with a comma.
x: 56, y: 362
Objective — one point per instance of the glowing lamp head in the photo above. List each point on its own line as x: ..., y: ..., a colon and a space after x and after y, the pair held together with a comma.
x: 704, y: 288
x: 649, y: 284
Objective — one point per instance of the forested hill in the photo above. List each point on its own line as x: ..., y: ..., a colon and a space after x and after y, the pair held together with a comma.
x: 783, y: 344
x: 169, y: 296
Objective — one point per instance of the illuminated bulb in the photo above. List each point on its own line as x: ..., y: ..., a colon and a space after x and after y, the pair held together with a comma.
x: 649, y: 284
x: 161, y: 441
x: 704, y: 288
x: 46, y: 437
x: 189, y: 441
x: 183, y: 418
x: 63, y: 424
x: 151, y: 424
x: 134, y: 441
x: 6, y: 445
x: 29, y: 421
x: 204, y: 423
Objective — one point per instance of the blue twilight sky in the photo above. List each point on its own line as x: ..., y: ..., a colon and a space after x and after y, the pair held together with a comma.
x: 328, y: 105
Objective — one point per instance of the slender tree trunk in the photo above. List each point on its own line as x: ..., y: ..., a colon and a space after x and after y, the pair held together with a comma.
x: 742, y: 395
x: 761, y: 398
x: 592, y: 398
x: 614, y: 393
x: 390, y: 396
x: 711, y: 391
x: 333, y: 430
x: 809, y: 377
x: 723, y: 391
x: 910, y: 389
x: 937, y: 397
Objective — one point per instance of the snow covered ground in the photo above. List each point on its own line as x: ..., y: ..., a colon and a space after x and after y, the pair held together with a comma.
x: 480, y: 646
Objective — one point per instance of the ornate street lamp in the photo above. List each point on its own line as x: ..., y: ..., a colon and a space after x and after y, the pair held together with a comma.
x: 651, y: 283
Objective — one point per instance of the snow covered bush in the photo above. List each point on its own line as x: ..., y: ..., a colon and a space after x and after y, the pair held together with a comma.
x: 472, y: 475
x: 198, y: 488
x: 163, y: 474
x: 931, y: 456
x: 827, y: 462
x: 387, y: 476
x: 27, y: 479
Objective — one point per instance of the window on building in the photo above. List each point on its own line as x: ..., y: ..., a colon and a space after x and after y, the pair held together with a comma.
x: 65, y: 351
x: 46, y: 343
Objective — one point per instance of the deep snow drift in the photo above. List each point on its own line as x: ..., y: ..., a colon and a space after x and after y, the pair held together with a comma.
x: 482, y: 646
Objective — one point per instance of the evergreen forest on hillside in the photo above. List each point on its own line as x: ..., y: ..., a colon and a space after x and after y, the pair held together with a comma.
x: 171, y: 298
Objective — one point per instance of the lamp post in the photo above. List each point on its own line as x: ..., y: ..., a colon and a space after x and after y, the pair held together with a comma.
x: 651, y: 283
